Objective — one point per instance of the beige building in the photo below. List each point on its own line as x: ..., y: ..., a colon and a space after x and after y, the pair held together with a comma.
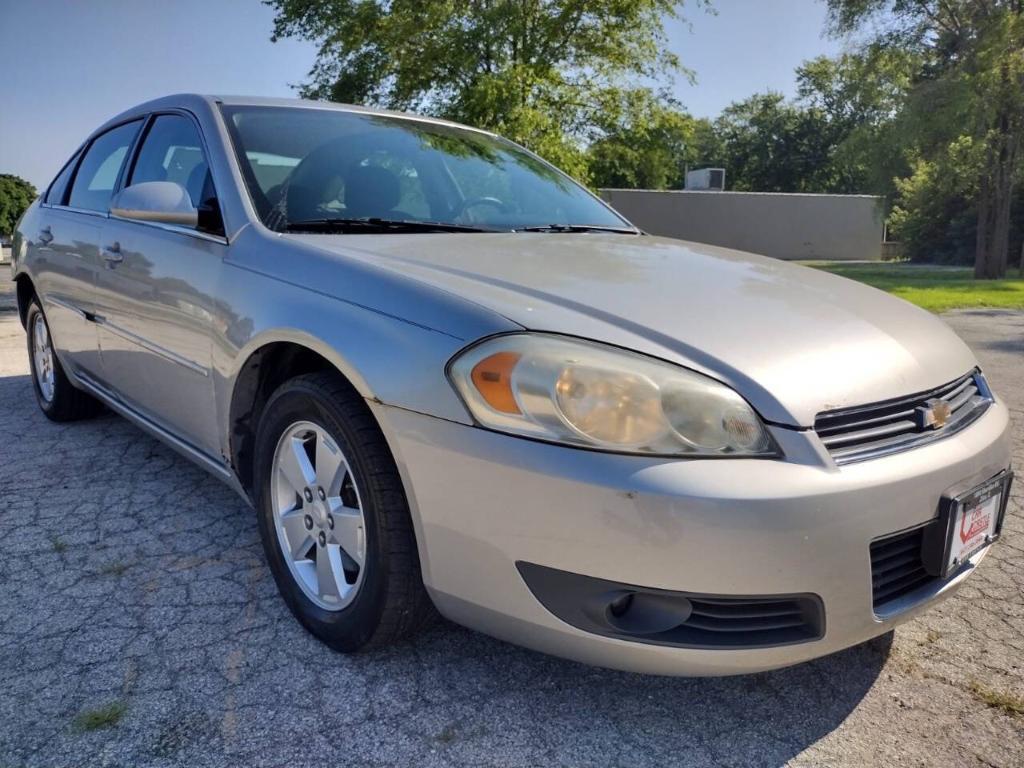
x: 786, y: 226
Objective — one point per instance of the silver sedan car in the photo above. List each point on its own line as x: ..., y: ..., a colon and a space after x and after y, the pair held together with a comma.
x: 449, y: 378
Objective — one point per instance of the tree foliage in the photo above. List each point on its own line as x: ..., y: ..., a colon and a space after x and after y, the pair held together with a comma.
x: 537, y: 71
x: 969, y: 86
x: 767, y: 144
x: 860, y: 98
x: 643, y: 142
x: 16, y: 195
x: 841, y: 134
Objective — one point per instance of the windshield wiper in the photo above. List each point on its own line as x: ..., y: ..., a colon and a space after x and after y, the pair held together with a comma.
x: 375, y: 223
x: 578, y: 228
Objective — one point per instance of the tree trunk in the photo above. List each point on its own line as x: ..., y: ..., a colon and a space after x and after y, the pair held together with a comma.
x: 995, y: 196
x: 983, y: 238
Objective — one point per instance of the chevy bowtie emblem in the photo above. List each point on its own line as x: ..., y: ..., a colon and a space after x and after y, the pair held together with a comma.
x: 934, y: 414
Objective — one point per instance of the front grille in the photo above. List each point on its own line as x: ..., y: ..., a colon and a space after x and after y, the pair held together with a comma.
x: 897, y: 567
x: 869, y: 431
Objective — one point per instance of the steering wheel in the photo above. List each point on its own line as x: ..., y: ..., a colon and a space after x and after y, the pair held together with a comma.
x: 472, y: 202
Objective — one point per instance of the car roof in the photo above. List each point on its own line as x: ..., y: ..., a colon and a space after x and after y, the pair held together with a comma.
x: 193, y: 100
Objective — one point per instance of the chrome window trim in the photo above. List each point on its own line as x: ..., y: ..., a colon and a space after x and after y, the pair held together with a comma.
x: 72, y: 209
x: 176, y: 228
x: 221, y: 239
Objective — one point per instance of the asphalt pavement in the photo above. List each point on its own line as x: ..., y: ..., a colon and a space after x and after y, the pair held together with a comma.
x: 139, y: 626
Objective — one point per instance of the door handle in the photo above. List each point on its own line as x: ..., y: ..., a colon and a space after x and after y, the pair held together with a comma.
x: 45, y: 235
x: 112, y: 254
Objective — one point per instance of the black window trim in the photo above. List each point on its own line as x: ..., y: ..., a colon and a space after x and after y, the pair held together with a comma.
x: 77, y: 158
x: 132, y: 159
x: 145, y: 120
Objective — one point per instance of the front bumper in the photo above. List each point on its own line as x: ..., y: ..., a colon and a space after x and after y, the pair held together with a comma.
x: 483, y: 502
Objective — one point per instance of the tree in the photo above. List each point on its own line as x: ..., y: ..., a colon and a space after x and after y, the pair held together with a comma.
x: 970, y: 85
x: 642, y: 142
x: 536, y: 71
x: 839, y: 135
x: 16, y: 195
x: 767, y: 144
x: 935, y: 211
x: 862, y: 96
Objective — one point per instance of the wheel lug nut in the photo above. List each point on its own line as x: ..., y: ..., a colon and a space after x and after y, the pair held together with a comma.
x: 308, y: 494
x: 308, y: 522
x: 322, y: 538
x: 321, y: 494
x: 330, y: 523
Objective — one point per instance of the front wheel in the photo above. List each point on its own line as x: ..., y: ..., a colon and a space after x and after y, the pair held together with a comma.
x: 57, y: 397
x: 333, y: 517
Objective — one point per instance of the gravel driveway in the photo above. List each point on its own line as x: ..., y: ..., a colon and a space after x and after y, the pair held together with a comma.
x: 139, y: 626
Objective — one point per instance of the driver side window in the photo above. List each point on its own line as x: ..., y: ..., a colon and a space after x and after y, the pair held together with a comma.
x: 172, y: 151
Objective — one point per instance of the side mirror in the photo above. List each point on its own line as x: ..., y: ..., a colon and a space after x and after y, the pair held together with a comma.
x: 160, y: 201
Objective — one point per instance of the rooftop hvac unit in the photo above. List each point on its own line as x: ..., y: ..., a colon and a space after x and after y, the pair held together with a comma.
x: 706, y: 178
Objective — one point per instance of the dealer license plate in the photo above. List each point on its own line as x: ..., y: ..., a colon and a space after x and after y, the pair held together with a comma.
x: 975, y: 520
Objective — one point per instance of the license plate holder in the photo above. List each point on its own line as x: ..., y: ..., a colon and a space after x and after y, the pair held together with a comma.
x: 969, y: 522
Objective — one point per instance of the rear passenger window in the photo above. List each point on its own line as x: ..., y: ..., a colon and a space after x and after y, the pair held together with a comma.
x: 60, y: 185
x: 98, y: 171
x: 172, y: 151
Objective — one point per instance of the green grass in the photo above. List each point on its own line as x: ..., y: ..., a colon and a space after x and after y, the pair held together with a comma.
x: 106, y: 716
x: 933, y: 288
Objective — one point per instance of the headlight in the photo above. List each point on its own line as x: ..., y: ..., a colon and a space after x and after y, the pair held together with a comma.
x: 588, y: 394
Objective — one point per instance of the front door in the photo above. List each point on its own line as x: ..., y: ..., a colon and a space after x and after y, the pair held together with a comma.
x: 155, y: 298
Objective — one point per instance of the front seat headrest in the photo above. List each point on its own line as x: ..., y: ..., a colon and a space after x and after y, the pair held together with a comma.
x: 370, y: 191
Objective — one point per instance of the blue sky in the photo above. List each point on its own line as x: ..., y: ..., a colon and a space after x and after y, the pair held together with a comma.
x: 71, y: 65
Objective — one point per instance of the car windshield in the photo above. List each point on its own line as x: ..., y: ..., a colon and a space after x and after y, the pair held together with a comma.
x: 323, y: 170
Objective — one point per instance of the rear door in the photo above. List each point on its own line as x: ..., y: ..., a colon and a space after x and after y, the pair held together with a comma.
x: 156, y: 297
x: 66, y: 258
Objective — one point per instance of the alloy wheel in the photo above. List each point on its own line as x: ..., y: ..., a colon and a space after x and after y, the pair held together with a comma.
x: 318, y: 515
x: 42, y: 357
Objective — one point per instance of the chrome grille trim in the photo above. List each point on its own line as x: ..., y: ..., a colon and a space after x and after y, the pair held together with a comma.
x: 870, y: 431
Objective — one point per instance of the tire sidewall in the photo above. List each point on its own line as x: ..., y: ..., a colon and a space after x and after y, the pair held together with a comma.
x: 349, y: 628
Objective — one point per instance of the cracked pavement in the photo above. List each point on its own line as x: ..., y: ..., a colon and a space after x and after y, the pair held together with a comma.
x: 131, y: 577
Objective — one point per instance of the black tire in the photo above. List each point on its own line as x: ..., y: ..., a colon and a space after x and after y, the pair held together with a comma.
x: 391, y: 601
x: 67, y: 403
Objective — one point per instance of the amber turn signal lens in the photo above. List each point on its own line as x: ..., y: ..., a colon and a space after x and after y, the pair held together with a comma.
x: 492, y: 378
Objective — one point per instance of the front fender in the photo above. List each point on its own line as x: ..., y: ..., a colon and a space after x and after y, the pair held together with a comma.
x: 386, y: 358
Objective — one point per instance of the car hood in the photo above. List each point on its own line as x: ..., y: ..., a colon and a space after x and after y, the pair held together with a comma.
x: 793, y: 340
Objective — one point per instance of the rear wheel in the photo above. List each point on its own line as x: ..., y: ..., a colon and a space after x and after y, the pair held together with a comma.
x: 333, y: 517
x: 57, y: 397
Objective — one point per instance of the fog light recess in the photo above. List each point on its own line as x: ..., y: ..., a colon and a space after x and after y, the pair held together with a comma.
x: 644, y: 613
x: 680, y: 619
